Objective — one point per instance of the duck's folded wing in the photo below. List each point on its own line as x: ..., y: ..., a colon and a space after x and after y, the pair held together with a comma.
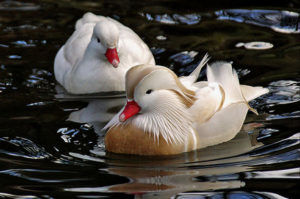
x: 76, y: 45
x: 223, y: 74
x: 222, y: 126
x: 61, y: 66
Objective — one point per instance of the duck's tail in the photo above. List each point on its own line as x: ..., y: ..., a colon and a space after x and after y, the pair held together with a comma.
x: 223, y: 74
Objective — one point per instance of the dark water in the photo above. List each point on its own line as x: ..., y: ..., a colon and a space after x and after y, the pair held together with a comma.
x: 51, y: 145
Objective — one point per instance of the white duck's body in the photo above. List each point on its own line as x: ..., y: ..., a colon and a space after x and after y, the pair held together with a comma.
x: 81, y: 65
x: 169, y: 115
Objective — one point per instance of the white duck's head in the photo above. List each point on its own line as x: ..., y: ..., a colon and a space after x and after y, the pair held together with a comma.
x: 157, y: 102
x: 105, y: 39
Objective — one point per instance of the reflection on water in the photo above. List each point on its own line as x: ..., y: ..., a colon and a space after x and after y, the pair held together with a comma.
x: 280, y: 21
x: 284, y: 91
x: 51, y: 143
x: 22, y: 147
x: 257, y: 45
x: 189, y: 19
x: 17, y: 5
x: 173, y: 174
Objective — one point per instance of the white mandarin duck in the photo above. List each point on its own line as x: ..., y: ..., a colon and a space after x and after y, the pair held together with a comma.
x: 167, y: 115
x: 98, y: 54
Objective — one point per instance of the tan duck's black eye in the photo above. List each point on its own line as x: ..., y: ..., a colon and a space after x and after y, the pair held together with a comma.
x: 149, y: 91
x: 98, y: 40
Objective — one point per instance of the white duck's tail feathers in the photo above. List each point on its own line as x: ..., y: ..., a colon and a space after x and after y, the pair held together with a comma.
x: 223, y: 74
x: 195, y: 74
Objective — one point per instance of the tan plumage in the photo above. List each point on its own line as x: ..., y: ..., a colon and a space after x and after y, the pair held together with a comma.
x: 177, y: 115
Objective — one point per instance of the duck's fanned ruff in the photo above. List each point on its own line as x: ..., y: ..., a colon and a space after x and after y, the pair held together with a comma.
x: 173, y: 123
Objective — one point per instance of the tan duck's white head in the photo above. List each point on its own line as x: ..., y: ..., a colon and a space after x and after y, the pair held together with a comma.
x: 148, y: 87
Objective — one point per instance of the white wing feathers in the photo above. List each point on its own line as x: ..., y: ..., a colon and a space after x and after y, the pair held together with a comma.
x: 222, y: 73
x: 188, y: 81
x: 223, y: 126
x: 195, y: 74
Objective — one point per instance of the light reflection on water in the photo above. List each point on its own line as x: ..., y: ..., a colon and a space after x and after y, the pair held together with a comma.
x: 188, y: 19
x: 280, y: 21
x: 48, y: 142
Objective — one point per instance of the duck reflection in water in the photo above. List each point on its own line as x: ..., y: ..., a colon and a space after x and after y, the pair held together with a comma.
x: 169, y: 175
x: 212, y: 168
x: 98, y: 112
x: 100, y: 109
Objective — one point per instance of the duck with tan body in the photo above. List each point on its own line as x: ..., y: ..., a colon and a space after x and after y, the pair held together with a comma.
x: 167, y: 115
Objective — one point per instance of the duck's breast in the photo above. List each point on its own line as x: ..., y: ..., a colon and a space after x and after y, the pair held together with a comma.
x: 128, y: 139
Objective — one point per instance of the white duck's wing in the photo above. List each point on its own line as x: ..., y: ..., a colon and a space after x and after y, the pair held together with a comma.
x: 76, y: 45
x: 61, y: 66
x: 223, y: 126
x: 72, y: 52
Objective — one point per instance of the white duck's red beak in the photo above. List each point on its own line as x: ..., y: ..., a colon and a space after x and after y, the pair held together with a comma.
x: 112, y: 56
x: 130, y: 110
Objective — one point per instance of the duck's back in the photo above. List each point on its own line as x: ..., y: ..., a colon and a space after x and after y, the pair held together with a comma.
x: 72, y: 52
x: 76, y: 45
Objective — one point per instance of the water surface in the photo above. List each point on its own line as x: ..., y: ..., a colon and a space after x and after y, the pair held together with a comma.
x: 51, y: 144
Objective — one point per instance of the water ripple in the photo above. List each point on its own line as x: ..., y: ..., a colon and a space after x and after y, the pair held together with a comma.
x: 49, y: 146
x: 22, y: 147
x: 188, y: 19
x: 18, y: 6
x: 284, y: 92
x: 280, y: 21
